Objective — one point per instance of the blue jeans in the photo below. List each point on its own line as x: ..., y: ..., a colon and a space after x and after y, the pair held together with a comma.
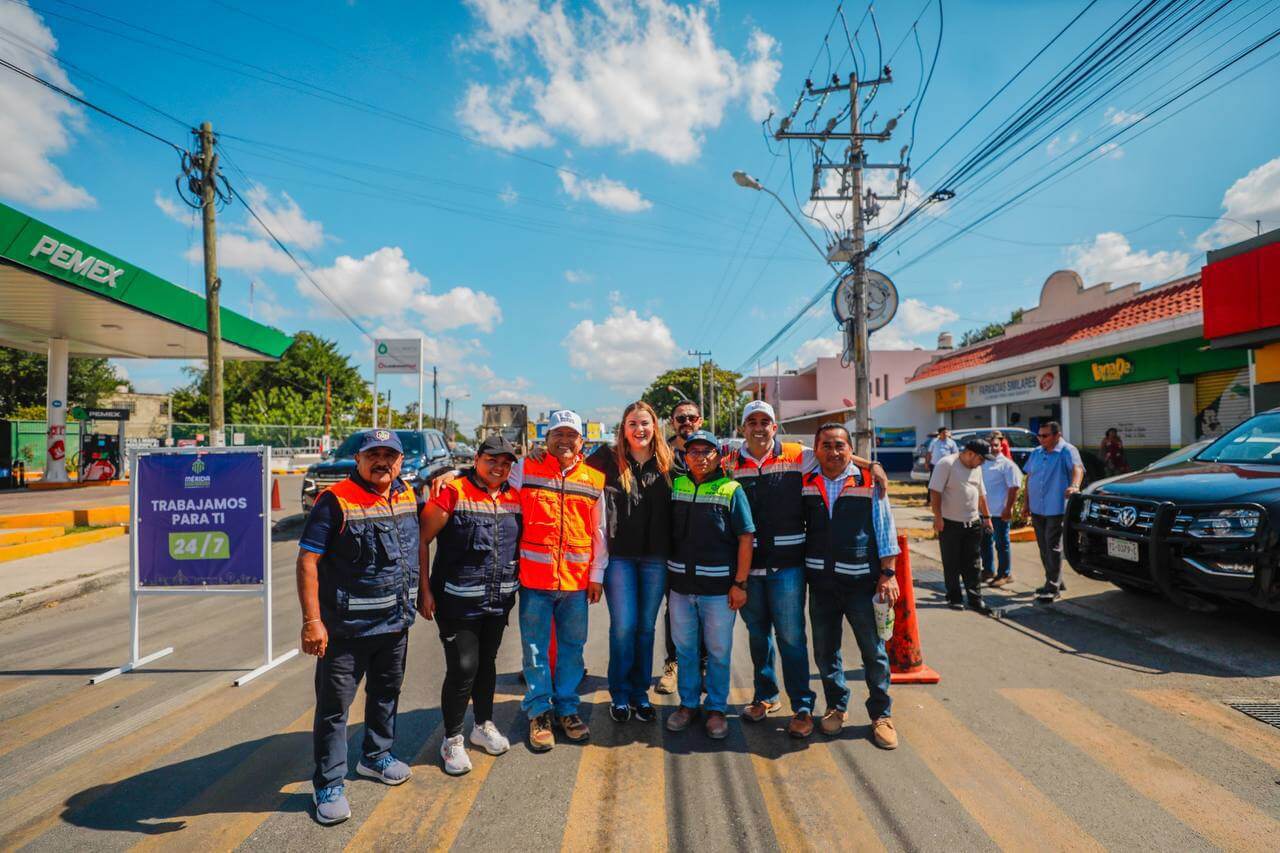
x: 569, y: 610
x: 775, y: 603
x: 998, y: 541
x: 634, y: 591
x: 712, y: 615
x: 827, y: 611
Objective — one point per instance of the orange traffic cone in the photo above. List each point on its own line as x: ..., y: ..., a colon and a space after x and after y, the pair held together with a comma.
x: 275, y: 494
x: 906, y: 663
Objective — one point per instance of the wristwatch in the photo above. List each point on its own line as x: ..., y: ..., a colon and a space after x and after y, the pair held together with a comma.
x: 888, y: 573
x: 742, y: 585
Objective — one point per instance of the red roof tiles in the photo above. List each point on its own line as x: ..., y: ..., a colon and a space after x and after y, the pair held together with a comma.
x: 1159, y: 304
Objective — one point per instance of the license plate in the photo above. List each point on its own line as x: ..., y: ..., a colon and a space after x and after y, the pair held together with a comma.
x: 1122, y: 549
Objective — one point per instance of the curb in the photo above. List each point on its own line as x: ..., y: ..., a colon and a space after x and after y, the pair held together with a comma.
x: 24, y: 602
x: 98, y: 516
x: 60, y: 543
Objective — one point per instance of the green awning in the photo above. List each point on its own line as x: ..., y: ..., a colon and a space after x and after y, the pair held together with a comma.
x: 53, y: 285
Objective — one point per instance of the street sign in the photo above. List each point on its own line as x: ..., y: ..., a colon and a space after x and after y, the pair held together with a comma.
x: 882, y: 300
x: 397, y: 355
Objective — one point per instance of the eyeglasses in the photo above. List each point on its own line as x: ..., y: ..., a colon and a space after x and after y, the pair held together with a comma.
x: 1044, y: 435
x: 686, y: 419
x: 700, y: 452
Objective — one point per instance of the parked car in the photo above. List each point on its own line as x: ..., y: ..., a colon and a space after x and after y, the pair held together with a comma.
x: 1021, y: 443
x: 425, y: 457
x: 1200, y: 531
x: 463, y: 453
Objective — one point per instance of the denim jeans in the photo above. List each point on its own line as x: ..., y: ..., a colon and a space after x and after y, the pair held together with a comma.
x: 569, y: 610
x: 711, y: 615
x: 827, y: 611
x: 775, y: 603
x: 995, y: 548
x: 634, y: 591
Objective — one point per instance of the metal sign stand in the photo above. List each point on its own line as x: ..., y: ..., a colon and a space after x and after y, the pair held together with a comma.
x: 137, y: 591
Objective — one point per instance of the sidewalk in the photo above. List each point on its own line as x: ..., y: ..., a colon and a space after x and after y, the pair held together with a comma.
x: 33, y: 582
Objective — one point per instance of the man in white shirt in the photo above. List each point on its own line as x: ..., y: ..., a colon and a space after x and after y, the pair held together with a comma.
x: 960, y: 515
x: 1002, y: 479
x: 942, y: 445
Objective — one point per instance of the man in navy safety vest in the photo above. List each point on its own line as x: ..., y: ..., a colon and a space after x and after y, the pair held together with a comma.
x: 850, y: 545
x: 357, y: 583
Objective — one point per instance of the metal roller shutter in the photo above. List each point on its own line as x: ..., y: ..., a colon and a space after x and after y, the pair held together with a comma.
x: 1222, y: 401
x: 978, y: 417
x: 1139, y: 411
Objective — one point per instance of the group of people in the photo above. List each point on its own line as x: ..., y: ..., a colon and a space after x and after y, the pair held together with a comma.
x: 973, y: 494
x: 760, y: 531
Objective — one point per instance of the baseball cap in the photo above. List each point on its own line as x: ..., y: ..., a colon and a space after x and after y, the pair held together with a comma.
x: 496, y: 445
x: 381, y: 438
x: 565, y: 418
x: 980, y: 447
x: 758, y: 406
x: 703, y: 435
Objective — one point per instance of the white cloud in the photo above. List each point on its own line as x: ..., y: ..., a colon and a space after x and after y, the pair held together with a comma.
x: 461, y: 306
x: 1110, y: 258
x: 604, y: 191
x: 177, y: 212
x: 36, y: 124
x: 577, y: 276
x: 1119, y: 117
x: 508, y: 196
x: 1110, y: 150
x: 284, y: 218
x: 646, y: 75
x: 461, y: 361
x: 1254, y: 197
x: 838, y: 216
x: 915, y: 325
x: 1058, y: 144
x: 624, y: 350
x: 815, y: 348
x: 489, y: 113
x: 236, y: 251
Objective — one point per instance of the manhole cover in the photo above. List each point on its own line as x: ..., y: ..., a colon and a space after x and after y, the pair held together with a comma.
x: 1265, y: 712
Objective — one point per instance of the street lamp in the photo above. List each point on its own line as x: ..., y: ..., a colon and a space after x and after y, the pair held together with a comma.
x: 745, y: 181
x: 679, y: 391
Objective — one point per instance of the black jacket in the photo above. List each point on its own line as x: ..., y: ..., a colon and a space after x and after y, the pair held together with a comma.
x: 639, y: 522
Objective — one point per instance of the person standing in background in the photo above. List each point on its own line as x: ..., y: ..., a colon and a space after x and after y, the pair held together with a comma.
x: 958, y: 499
x: 1054, y: 473
x: 941, y: 445
x: 1112, y: 452
x: 1002, y: 480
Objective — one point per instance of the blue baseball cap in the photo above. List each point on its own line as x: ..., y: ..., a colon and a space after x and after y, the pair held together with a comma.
x: 381, y: 438
x: 704, y: 436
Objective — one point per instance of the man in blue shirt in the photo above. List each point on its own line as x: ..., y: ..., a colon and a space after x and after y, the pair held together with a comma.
x: 942, y: 445
x: 1054, y: 471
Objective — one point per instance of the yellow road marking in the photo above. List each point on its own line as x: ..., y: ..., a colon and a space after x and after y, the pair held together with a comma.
x: 1207, y: 808
x: 65, y: 710
x: 619, y: 798
x: 1015, y: 813
x: 1227, y: 725
x: 126, y: 757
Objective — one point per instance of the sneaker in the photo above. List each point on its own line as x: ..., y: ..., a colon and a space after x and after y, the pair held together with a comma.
x: 574, y: 728
x: 387, y: 769
x: 681, y: 719
x: 667, y: 683
x: 620, y: 713
x: 884, y: 734
x: 1048, y: 594
x: 980, y: 608
x: 988, y: 575
x: 644, y: 713
x: 758, y: 710
x: 487, y: 737
x: 717, y: 725
x: 956, y: 605
x: 801, y: 725
x: 454, y: 754
x: 331, y: 805
x: 541, y: 738
x: 832, y: 722
x: 1003, y: 580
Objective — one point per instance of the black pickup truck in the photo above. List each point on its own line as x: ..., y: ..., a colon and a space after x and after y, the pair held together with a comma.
x: 426, y: 457
x: 1201, y: 532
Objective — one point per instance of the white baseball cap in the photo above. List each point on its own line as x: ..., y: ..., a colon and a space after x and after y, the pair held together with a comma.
x: 565, y: 418
x: 758, y: 406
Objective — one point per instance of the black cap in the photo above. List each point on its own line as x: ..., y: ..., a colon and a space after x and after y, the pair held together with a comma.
x: 496, y: 445
x: 980, y: 447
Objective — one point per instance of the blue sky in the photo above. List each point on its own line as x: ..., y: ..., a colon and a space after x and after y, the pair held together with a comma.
x: 597, y: 236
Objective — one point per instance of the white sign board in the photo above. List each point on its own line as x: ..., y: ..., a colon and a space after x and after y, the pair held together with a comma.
x: 1032, y: 385
x: 397, y: 355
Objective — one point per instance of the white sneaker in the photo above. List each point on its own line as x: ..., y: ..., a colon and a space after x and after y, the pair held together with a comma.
x: 487, y: 737
x: 456, y: 760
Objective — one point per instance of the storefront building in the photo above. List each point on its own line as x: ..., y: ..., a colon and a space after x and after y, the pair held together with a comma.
x: 1021, y: 399
x: 1242, y: 309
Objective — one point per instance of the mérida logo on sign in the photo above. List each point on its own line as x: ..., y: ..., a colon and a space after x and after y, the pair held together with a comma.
x: 197, y: 479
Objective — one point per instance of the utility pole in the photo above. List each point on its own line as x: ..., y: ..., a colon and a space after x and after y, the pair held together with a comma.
x: 702, y: 400
x: 446, y: 418
x: 206, y: 163
x: 435, y: 397
x: 328, y: 393
x: 711, y: 392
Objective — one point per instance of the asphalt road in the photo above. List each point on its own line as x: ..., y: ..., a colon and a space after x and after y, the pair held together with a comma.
x: 1095, y: 723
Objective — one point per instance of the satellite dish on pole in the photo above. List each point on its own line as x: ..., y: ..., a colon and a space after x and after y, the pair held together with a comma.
x: 882, y: 300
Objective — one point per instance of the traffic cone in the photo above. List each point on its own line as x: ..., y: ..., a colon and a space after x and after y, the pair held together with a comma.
x: 906, y: 663
x: 275, y: 494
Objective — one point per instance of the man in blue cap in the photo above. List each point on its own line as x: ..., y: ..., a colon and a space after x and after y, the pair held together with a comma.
x: 357, y: 583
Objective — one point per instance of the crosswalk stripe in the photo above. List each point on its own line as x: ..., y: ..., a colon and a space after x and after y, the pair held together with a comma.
x: 1009, y: 808
x: 1206, y: 807
x: 619, y: 797
x: 810, y: 803
x: 132, y: 754
x: 428, y: 811
x: 65, y: 710
x: 1227, y: 725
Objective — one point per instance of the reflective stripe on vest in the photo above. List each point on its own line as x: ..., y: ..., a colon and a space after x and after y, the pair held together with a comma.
x: 559, y: 509
x: 841, y: 543
x: 477, y: 552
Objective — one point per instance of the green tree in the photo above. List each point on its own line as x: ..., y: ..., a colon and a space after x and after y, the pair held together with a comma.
x: 24, y: 378
x: 729, y: 400
x: 991, y: 330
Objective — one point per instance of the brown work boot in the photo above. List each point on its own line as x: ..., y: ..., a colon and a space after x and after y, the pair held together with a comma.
x: 681, y: 719
x: 883, y: 733
x: 717, y: 725
x: 833, y: 722
x: 541, y: 738
x: 667, y: 683
x: 801, y: 725
x: 757, y: 711
x: 574, y: 728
